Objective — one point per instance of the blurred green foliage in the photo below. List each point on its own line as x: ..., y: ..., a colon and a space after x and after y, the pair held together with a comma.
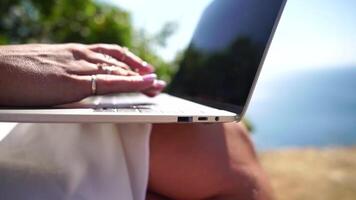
x: 80, y: 21
x: 248, y: 124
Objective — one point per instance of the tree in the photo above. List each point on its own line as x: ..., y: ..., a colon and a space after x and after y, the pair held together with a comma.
x: 82, y: 21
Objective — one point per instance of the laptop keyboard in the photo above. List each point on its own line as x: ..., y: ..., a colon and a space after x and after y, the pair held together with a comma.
x: 128, y: 103
x: 138, y: 103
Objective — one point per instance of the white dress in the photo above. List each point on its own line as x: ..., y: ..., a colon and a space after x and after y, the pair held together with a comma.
x: 75, y: 162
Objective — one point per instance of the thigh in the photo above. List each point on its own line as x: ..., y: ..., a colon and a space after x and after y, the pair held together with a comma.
x: 202, y: 161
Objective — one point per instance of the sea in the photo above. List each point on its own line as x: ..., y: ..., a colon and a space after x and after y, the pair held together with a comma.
x: 306, y: 108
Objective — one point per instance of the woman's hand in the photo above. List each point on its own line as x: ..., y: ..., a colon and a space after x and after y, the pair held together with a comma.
x: 45, y: 75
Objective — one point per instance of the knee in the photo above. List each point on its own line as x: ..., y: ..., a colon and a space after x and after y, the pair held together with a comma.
x: 244, y: 177
x: 248, y: 183
x: 215, y: 161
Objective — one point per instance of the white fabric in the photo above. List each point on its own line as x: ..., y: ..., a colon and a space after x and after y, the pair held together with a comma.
x: 75, y: 161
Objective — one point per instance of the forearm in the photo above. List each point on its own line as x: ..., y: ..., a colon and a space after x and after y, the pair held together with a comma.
x: 27, y: 77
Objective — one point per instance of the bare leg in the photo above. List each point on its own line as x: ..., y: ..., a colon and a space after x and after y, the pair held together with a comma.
x: 205, y: 161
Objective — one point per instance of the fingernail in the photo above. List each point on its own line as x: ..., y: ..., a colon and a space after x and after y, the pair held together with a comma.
x: 146, y: 65
x: 149, y: 77
x: 160, y: 83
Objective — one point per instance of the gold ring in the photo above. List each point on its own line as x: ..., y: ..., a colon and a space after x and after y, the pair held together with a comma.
x: 108, y: 70
x: 105, y: 68
x: 93, y: 84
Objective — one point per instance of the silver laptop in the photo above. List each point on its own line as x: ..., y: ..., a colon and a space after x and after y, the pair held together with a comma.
x: 213, y: 84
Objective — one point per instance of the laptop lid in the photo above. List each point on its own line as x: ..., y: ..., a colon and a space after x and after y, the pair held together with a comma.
x: 222, y: 63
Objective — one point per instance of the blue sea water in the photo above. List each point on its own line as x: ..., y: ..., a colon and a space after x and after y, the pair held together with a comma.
x: 306, y: 108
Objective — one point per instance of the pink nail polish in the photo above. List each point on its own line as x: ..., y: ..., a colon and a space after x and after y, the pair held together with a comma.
x: 147, y: 66
x: 149, y: 77
x: 144, y: 64
x: 160, y: 83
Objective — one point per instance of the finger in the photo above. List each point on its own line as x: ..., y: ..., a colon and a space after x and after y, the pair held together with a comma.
x: 86, y: 54
x: 156, y: 88
x: 106, y: 84
x: 99, y: 58
x: 108, y: 65
x: 82, y: 67
x: 123, y: 55
x: 114, y: 70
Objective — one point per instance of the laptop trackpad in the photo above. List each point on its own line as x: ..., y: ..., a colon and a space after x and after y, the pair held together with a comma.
x: 126, y: 100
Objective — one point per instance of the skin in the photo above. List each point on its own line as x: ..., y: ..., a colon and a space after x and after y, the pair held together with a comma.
x: 45, y: 75
x: 205, y: 161
x: 188, y: 161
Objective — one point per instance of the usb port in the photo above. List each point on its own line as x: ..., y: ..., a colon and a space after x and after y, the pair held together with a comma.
x: 202, y: 118
x: 185, y: 119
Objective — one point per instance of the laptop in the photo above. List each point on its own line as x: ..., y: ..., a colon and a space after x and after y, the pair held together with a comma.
x: 214, y: 83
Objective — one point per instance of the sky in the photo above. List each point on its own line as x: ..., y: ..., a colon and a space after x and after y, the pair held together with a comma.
x: 153, y: 14
x: 311, y: 33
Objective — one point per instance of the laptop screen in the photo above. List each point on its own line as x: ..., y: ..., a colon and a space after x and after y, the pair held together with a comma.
x: 222, y: 61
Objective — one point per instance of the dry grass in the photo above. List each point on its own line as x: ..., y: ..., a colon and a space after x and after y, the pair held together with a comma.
x: 312, y: 174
